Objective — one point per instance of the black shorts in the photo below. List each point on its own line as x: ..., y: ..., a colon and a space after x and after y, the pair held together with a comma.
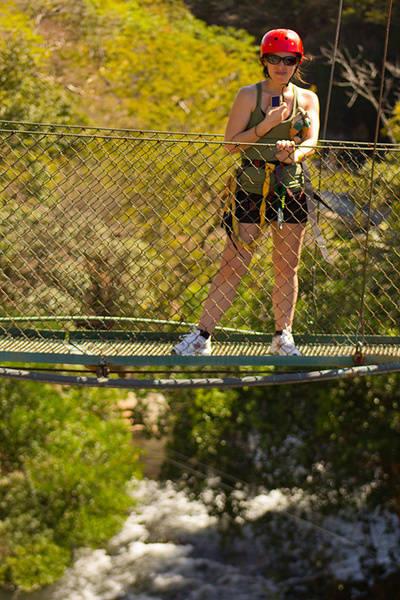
x: 248, y: 207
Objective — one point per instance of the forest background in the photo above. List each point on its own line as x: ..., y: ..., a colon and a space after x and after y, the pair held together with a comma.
x: 169, y: 66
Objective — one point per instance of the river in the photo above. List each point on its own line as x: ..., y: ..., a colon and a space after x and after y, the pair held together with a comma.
x: 170, y: 548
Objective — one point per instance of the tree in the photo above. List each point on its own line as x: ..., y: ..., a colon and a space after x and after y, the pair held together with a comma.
x: 361, y: 78
x: 65, y: 462
x: 28, y: 91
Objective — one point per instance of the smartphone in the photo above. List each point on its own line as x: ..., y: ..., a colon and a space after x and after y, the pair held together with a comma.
x: 275, y: 101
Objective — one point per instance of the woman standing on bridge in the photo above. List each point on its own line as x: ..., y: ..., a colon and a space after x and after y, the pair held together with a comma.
x: 269, y: 189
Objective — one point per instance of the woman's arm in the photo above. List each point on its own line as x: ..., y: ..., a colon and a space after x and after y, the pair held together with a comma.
x: 239, y: 117
x: 287, y: 150
x: 306, y: 147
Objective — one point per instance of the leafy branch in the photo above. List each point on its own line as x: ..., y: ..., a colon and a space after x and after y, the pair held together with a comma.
x: 361, y: 77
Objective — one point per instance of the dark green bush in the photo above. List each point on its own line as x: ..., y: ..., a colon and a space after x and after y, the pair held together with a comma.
x: 65, y: 461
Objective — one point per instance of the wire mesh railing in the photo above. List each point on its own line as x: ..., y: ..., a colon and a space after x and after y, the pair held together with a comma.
x: 112, y: 229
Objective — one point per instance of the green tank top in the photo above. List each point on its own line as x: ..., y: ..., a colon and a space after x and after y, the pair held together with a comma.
x: 251, y: 178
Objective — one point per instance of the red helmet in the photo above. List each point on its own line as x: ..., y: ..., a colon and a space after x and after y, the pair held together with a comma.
x: 281, y: 40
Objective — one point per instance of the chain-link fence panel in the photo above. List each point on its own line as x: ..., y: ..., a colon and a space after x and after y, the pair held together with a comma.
x: 121, y: 229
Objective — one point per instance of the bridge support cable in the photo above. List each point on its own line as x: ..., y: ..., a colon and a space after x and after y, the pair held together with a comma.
x: 361, y: 324
x: 179, y: 384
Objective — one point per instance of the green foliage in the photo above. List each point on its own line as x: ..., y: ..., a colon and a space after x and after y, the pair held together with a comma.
x: 65, y: 461
x: 27, y: 90
x: 37, y: 564
x: 78, y: 60
x: 194, y: 69
x: 368, y: 11
x: 395, y: 122
x: 339, y: 442
x: 178, y: 74
x: 303, y: 16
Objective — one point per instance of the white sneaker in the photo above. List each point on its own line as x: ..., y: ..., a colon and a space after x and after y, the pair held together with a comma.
x: 193, y: 344
x: 284, y: 344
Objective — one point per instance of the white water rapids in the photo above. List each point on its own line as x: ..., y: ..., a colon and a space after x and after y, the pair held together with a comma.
x: 170, y: 549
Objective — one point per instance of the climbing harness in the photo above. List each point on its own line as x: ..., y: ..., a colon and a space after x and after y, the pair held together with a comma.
x: 230, y: 221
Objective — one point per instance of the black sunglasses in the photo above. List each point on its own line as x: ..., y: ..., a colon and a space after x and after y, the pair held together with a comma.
x: 274, y: 59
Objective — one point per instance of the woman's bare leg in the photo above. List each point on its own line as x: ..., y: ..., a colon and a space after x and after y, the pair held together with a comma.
x: 234, y: 265
x: 287, y: 245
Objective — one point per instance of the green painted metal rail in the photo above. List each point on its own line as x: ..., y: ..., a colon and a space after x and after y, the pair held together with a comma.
x: 110, y: 238
x: 151, y: 349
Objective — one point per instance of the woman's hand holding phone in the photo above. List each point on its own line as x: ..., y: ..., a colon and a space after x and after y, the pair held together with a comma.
x: 274, y: 115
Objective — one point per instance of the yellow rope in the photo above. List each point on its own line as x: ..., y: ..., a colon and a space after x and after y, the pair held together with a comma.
x: 230, y: 205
